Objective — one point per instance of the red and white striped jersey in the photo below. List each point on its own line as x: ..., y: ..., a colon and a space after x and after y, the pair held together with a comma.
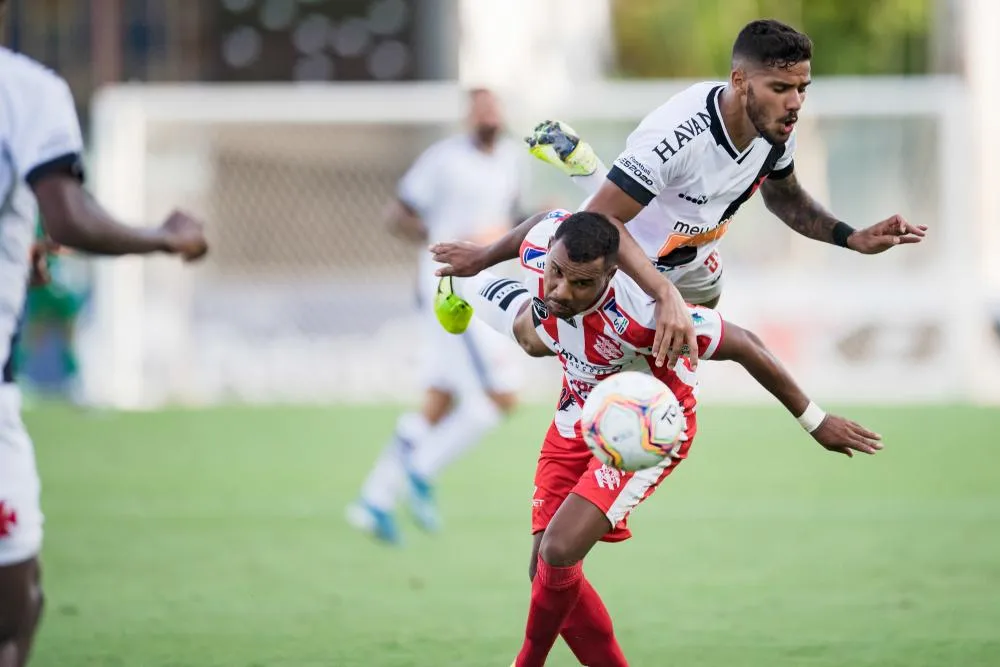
x: 613, y: 335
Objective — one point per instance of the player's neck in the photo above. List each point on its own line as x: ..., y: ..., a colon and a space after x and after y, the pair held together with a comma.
x: 739, y: 128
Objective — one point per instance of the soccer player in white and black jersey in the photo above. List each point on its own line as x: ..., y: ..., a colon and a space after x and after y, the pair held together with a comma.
x: 689, y: 166
x: 40, y: 169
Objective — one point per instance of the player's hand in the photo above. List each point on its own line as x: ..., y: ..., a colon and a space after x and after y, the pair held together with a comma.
x: 185, y: 236
x: 675, y: 335
x: 40, y: 251
x: 558, y: 144
x: 843, y: 436
x: 462, y: 259
x: 884, y: 235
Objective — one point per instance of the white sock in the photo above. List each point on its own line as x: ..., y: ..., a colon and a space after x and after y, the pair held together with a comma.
x: 474, y: 417
x: 495, y: 300
x: 388, y: 477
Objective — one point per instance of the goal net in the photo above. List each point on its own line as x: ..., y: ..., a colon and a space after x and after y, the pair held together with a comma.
x: 306, y: 297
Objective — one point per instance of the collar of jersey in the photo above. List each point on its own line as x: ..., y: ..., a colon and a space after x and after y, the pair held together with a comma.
x: 718, y: 127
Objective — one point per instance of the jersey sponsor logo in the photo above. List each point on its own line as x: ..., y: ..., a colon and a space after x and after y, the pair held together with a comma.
x: 534, y: 258
x: 565, y: 400
x: 557, y: 213
x: 607, y: 348
x: 615, y: 318
x: 683, y: 133
x: 697, y: 200
x: 608, y: 477
x: 686, y: 234
x: 640, y: 171
x: 580, y: 366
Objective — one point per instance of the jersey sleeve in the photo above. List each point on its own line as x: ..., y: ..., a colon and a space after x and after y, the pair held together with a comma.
x: 418, y: 186
x: 47, y: 137
x: 647, y: 164
x: 786, y: 163
x: 709, y: 329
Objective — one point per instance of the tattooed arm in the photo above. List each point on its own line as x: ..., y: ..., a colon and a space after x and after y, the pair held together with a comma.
x: 795, y: 207
x: 789, y: 201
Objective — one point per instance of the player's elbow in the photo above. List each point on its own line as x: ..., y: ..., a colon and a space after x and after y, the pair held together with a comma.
x: 533, y: 348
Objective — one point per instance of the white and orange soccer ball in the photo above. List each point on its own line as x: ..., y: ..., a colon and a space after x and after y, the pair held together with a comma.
x: 632, y: 421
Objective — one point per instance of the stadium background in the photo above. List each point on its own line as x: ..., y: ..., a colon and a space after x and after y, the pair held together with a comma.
x: 196, y: 477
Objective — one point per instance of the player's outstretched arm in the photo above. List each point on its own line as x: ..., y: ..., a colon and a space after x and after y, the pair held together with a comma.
x: 463, y: 259
x: 72, y: 218
x: 834, y: 433
x: 404, y: 222
x: 788, y: 200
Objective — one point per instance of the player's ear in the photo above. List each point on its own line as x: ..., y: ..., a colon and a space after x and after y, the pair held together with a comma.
x: 738, y: 79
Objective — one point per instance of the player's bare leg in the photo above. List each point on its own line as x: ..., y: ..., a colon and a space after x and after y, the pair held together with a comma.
x: 20, y: 611
x: 562, y: 600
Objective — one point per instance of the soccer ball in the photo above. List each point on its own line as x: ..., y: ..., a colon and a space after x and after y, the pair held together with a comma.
x: 632, y: 421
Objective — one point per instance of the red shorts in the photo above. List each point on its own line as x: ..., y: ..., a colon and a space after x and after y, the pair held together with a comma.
x: 566, y: 466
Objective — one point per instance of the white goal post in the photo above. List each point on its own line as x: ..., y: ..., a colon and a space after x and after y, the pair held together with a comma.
x: 307, y: 299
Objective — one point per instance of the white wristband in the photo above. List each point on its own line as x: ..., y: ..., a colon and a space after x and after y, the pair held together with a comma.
x: 812, y: 417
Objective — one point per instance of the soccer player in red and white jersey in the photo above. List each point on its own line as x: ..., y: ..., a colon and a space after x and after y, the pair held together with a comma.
x: 691, y: 164
x: 598, y: 322
x: 40, y: 170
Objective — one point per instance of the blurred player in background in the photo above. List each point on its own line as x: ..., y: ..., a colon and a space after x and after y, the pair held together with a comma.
x: 40, y: 168
x: 693, y: 162
x: 575, y: 305
x: 466, y: 186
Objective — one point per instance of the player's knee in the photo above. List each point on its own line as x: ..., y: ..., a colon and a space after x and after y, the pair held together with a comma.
x: 557, y: 551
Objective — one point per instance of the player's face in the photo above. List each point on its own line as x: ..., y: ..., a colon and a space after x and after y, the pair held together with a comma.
x: 774, y: 96
x: 573, y: 287
x: 485, y: 117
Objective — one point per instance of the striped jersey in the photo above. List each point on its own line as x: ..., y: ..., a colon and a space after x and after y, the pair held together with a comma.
x: 615, y: 334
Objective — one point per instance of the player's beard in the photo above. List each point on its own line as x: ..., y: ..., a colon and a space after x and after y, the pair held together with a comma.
x: 487, y: 135
x: 758, y: 118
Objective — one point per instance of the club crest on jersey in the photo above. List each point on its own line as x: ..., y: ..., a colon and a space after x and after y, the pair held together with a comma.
x: 615, y: 317
x: 697, y: 318
x: 607, y: 348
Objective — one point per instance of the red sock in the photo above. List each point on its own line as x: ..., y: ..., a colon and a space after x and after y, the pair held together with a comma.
x: 554, y: 592
x: 589, y: 632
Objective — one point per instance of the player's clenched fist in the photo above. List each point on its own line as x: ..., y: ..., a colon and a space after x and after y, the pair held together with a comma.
x: 185, y: 236
x: 462, y: 259
x: 843, y: 436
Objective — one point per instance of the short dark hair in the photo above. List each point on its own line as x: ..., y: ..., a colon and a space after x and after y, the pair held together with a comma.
x: 772, y: 44
x: 588, y: 236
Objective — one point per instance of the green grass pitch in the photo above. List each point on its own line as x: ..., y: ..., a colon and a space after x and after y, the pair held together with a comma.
x: 216, y: 538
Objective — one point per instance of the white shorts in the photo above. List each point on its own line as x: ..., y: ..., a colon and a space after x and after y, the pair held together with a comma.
x: 20, y: 489
x: 701, y: 283
x: 479, y: 360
